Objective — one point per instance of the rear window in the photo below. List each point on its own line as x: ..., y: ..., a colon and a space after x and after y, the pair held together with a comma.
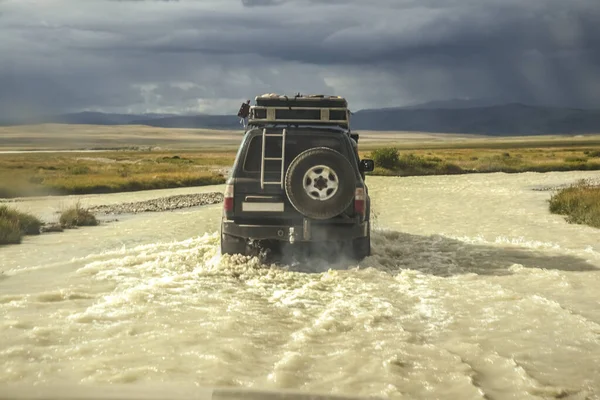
x: 295, y: 144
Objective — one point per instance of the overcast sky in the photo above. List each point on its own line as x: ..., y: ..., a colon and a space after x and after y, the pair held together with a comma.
x: 210, y: 55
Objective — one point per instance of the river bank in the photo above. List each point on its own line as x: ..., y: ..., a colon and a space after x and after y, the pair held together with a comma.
x: 12, y: 229
x: 392, y: 161
x: 169, y: 203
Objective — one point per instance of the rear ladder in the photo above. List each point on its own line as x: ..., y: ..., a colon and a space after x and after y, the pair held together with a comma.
x: 263, y: 158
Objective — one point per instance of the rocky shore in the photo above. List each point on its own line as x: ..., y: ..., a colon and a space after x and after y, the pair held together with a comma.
x: 160, y: 204
x: 589, y: 181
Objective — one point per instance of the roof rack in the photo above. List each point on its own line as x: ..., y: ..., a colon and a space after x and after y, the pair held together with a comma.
x: 300, y: 110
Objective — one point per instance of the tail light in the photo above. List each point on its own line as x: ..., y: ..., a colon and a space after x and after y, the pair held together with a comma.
x: 228, y: 198
x: 359, y: 201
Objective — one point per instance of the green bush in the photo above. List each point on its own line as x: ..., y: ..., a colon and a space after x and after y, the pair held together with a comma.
x: 386, y: 157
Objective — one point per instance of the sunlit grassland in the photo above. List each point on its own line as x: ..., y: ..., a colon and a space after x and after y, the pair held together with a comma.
x: 143, y: 158
x: 82, y: 173
x: 579, y: 203
x: 394, y: 161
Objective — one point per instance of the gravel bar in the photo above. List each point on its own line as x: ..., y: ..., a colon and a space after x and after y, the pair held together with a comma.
x: 160, y: 204
x: 589, y: 181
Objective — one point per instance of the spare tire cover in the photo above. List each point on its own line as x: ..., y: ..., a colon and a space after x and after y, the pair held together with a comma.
x: 320, y: 183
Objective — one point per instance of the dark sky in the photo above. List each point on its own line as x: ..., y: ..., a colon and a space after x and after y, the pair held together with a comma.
x: 209, y: 55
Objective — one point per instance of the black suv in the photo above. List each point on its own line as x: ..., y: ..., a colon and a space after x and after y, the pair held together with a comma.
x: 297, y: 181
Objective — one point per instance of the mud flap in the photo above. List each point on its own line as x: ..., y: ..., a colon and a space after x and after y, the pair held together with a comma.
x: 306, y: 229
x: 233, y: 245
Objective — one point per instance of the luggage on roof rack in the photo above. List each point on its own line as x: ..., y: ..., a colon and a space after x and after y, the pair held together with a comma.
x: 272, y: 108
x: 319, y: 101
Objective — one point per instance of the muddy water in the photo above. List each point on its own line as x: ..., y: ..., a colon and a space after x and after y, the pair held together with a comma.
x: 473, y: 291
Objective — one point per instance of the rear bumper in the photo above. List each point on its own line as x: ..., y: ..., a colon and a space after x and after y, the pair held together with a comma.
x: 307, y: 232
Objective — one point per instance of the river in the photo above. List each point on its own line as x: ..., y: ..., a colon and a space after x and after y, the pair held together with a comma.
x: 474, y: 290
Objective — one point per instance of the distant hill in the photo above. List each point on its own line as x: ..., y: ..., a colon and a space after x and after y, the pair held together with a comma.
x: 456, y: 116
x: 455, y: 103
x: 86, y: 117
x: 500, y: 120
x: 192, y: 121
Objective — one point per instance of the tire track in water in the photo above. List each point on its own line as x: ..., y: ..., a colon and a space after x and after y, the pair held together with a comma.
x: 336, y: 327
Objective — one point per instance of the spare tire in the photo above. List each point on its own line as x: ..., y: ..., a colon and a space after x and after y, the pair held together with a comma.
x: 320, y: 183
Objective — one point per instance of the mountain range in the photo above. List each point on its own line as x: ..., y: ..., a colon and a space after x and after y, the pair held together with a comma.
x: 456, y: 116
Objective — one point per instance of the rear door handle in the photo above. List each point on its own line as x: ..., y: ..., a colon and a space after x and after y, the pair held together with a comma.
x: 263, y: 199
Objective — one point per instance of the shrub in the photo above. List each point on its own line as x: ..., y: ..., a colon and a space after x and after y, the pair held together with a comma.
x: 14, y: 224
x: 77, y: 216
x: 10, y: 231
x: 79, y: 170
x: 176, y: 160
x: 386, y: 157
x: 383, y: 172
x: 580, y: 203
x: 450, y: 169
x: 414, y: 162
x: 575, y: 159
x: 592, y: 153
x: 30, y: 225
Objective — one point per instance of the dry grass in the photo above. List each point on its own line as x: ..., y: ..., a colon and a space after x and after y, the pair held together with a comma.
x: 580, y: 203
x: 115, y: 137
x: 472, y: 160
x: 77, y: 137
x: 115, y: 171
x: 83, y: 173
x: 77, y: 216
x: 14, y: 225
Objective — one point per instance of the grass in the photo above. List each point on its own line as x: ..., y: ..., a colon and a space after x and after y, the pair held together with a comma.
x: 580, y: 203
x: 393, y: 161
x: 15, y: 224
x: 34, y: 174
x: 77, y: 216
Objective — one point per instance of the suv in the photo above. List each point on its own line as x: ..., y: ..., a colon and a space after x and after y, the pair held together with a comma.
x: 297, y: 179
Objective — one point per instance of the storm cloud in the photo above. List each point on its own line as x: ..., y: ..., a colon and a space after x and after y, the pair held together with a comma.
x: 209, y: 55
